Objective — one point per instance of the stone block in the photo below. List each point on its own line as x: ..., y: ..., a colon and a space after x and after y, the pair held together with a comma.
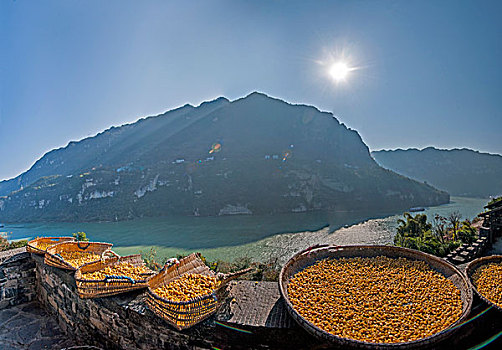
x: 64, y: 326
x: 52, y: 302
x: 60, y: 292
x: 9, y: 293
x: 82, y: 306
x: 48, y: 280
x: 29, y: 273
x: 457, y: 260
x: 93, y: 310
x: 98, y: 325
x: 65, y: 317
x: 108, y: 317
x: 4, y: 303
x: 67, y: 291
x: 12, y: 283
x: 126, y: 343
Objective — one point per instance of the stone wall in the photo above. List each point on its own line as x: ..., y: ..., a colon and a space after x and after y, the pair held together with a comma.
x: 253, y: 316
x: 111, y: 323
x: 124, y: 322
x: 17, y: 277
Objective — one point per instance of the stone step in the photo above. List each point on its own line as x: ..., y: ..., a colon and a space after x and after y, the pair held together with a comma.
x: 457, y: 260
x: 465, y: 254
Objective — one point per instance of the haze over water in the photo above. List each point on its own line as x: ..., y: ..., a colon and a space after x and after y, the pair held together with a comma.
x: 230, y: 237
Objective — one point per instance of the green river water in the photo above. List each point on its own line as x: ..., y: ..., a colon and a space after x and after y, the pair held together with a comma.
x: 230, y: 237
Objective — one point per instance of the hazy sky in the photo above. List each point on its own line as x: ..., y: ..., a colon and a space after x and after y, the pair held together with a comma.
x: 429, y: 72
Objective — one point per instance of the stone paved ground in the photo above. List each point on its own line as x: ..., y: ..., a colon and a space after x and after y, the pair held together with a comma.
x: 29, y: 327
x: 257, y: 305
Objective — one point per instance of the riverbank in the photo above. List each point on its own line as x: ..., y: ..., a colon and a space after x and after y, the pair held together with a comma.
x: 254, y: 237
x: 280, y: 247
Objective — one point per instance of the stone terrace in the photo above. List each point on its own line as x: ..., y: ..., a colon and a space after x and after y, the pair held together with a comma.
x: 253, y: 316
x: 29, y: 326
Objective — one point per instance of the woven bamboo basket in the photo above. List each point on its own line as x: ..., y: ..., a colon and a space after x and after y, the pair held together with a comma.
x: 32, y: 246
x: 52, y: 257
x: 311, y: 255
x: 182, y: 315
x: 111, y: 285
x: 471, y: 269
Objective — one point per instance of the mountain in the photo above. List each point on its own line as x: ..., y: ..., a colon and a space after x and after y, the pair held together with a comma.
x: 255, y: 155
x: 460, y: 172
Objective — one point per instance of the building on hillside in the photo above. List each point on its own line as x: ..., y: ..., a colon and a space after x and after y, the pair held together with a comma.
x: 492, y: 220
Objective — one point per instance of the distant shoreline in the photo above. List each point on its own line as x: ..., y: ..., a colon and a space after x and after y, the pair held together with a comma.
x: 230, y: 237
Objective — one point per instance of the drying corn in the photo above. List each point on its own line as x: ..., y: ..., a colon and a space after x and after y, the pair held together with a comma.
x: 44, y: 245
x: 187, y: 287
x: 488, y: 281
x: 137, y: 273
x: 377, y: 300
x: 77, y: 259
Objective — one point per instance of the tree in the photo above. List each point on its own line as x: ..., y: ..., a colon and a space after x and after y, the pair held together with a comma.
x: 414, y: 226
x: 415, y: 232
x: 454, y: 219
x: 494, y: 200
x: 4, y: 243
x: 439, y: 227
x: 80, y: 236
x: 467, y: 233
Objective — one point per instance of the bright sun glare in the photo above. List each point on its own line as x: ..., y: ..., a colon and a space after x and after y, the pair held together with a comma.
x: 339, y: 71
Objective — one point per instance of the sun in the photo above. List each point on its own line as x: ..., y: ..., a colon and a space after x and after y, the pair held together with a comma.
x: 339, y: 71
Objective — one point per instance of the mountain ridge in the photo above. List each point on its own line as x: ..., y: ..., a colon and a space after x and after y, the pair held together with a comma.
x: 436, y: 149
x: 256, y: 153
x: 186, y: 107
x: 459, y: 171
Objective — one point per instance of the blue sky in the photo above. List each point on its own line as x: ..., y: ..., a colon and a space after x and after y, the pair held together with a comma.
x: 429, y: 72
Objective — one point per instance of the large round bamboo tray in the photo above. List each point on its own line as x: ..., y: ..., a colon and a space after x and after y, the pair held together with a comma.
x: 111, y: 285
x: 310, y: 256
x: 32, y: 246
x: 471, y: 269
x: 185, y: 314
x: 52, y: 257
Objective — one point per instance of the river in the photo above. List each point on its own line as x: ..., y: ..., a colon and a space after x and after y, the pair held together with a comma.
x: 228, y: 237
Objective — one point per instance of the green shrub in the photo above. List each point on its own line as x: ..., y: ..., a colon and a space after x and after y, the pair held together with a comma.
x: 18, y: 244
x: 6, y: 245
x: 415, y: 232
x: 467, y: 233
x: 80, y: 236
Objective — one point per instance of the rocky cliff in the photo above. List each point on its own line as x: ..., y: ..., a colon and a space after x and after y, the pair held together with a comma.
x: 253, y: 155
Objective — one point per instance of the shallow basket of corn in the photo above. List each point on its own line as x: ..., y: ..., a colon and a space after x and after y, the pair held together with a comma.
x: 186, y: 292
x: 72, y: 255
x: 485, y: 277
x: 377, y: 297
x: 112, y: 276
x: 39, y: 245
